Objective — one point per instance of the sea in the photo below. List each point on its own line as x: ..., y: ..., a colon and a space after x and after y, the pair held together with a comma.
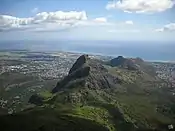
x: 147, y: 50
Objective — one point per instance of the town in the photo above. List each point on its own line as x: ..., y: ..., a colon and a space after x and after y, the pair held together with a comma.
x: 165, y: 71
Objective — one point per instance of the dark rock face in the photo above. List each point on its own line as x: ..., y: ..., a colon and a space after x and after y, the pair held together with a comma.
x: 87, y: 73
x: 124, y: 63
x: 117, y: 61
x: 80, y: 61
x: 74, y: 79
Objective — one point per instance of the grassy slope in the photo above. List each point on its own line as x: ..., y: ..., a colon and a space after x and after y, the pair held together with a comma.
x: 50, y: 119
x: 131, y: 105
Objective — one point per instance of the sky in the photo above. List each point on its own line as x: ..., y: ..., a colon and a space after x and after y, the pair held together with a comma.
x: 120, y: 20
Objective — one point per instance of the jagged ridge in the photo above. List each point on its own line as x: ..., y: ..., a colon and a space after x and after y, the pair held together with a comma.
x: 124, y: 63
x: 90, y: 83
x: 89, y: 73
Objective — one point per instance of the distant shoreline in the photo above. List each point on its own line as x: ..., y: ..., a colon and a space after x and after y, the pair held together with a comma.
x: 80, y: 53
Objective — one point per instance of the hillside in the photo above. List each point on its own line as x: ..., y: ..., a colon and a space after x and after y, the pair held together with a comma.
x: 132, y: 64
x: 124, y: 96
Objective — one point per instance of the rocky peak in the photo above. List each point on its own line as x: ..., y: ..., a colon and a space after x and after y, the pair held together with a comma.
x: 124, y: 63
x: 87, y: 72
x: 79, y: 63
x: 117, y: 61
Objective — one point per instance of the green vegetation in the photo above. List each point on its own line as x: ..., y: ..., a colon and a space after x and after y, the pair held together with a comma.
x: 96, y: 114
x: 48, y: 120
x: 46, y: 94
x: 99, y: 97
x: 42, y: 98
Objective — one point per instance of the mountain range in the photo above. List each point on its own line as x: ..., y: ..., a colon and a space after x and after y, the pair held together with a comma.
x: 123, y: 94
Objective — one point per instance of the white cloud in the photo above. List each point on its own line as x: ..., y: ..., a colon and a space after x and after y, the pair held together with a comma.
x: 129, y: 22
x: 100, y: 19
x: 35, y: 10
x: 167, y: 28
x: 94, y: 22
x: 60, y: 19
x: 159, y: 30
x: 141, y: 6
x: 124, y: 31
x: 60, y: 16
x: 54, y: 21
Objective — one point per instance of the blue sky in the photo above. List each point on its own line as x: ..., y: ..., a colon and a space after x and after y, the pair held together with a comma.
x: 131, y: 20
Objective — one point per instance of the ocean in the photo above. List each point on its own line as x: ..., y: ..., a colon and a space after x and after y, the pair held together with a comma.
x: 160, y: 51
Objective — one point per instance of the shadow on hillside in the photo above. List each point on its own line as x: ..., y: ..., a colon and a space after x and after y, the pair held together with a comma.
x: 47, y: 120
x: 117, y: 117
x: 118, y: 120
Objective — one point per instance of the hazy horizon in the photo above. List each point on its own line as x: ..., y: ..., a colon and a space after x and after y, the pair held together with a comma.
x: 160, y: 51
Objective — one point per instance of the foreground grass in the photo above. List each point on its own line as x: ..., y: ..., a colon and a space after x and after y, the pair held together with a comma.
x: 96, y: 114
x: 48, y: 119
